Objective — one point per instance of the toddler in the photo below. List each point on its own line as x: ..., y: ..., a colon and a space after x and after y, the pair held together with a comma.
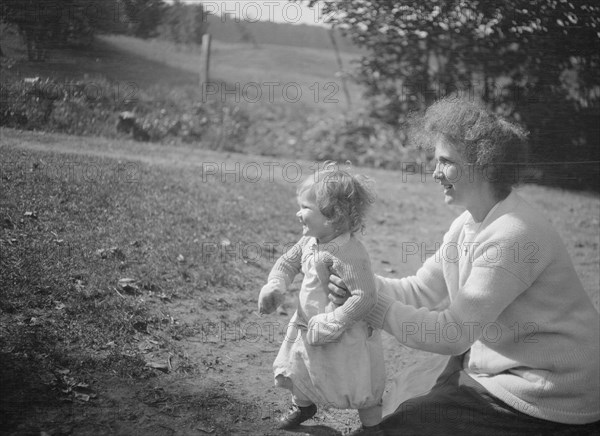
x: 330, y: 356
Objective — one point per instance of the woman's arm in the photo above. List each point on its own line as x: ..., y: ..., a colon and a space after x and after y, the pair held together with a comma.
x: 425, y: 289
x: 486, y: 293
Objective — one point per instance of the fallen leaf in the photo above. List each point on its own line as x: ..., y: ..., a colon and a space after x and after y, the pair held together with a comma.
x: 180, y: 258
x: 115, y: 252
x: 81, y: 397
x: 145, y: 346
x: 207, y: 430
x: 128, y: 285
x: 164, y: 367
x: 108, y: 345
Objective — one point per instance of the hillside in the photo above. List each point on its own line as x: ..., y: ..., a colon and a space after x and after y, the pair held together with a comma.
x: 244, y: 64
x: 227, y: 29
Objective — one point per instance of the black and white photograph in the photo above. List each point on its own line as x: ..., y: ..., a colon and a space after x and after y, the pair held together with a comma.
x: 299, y: 217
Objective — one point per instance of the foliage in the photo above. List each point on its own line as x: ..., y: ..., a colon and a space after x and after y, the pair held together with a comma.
x: 143, y: 16
x: 46, y: 24
x: 183, y: 23
x: 89, y: 106
x: 361, y: 139
x: 534, y: 60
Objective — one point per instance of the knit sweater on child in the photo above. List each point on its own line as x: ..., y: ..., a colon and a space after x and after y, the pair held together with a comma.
x: 346, y: 257
x: 506, y: 291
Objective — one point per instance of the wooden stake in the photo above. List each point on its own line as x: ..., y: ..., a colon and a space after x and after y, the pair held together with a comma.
x: 205, y: 60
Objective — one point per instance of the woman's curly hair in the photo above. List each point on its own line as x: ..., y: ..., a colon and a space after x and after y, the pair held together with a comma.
x: 343, y: 198
x: 495, y: 145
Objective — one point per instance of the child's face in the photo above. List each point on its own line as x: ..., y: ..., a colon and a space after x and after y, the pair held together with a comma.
x: 314, y: 223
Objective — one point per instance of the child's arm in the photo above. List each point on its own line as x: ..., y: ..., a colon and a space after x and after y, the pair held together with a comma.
x: 354, y: 268
x: 281, y: 276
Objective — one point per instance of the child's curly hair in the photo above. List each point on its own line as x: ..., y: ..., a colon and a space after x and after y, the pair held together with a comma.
x: 343, y: 198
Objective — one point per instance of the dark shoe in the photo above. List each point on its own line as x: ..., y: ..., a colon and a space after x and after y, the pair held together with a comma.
x: 375, y: 430
x: 296, y: 416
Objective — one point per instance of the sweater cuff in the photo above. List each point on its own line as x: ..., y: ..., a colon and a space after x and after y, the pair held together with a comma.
x: 376, y: 317
x: 278, y: 279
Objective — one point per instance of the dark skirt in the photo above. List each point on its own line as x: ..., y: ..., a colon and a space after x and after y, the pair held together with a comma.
x: 457, y: 405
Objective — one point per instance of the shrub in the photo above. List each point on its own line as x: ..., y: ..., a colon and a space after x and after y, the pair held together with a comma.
x: 361, y: 139
x: 90, y: 107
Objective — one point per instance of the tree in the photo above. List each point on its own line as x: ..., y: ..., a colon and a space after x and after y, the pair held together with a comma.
x: 144, y: 16
x: 534, y: 60
x: 46, y: 24
x: 183, y: 23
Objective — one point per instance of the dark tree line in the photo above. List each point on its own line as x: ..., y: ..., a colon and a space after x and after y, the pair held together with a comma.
x: 46, y: 24
x: 536, y: 61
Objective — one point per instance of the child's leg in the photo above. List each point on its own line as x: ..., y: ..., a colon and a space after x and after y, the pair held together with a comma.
x: 370, y: 416
x: 300, y: 400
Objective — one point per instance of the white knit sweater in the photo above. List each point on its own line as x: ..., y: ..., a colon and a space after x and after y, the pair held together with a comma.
x: 506, y: 291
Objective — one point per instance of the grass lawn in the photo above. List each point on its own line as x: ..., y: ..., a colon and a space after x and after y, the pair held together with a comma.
x: 179, y: 348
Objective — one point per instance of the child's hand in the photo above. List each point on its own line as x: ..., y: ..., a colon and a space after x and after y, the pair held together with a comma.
x: 270, y: 298
x: 324, y: 328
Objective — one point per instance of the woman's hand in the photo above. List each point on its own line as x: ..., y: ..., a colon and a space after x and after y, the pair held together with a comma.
x: 338, y: 293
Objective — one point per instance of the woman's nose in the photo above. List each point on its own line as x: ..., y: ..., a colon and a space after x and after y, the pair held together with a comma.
x: 438, y: 174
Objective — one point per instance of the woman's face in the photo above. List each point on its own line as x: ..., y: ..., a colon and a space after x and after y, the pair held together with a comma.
x: 461, y: 182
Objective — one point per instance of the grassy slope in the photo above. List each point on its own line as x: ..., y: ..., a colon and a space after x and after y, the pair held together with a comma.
x: 241, y: 64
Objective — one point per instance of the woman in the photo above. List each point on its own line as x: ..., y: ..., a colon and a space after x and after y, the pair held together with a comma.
x: 501, y: 296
